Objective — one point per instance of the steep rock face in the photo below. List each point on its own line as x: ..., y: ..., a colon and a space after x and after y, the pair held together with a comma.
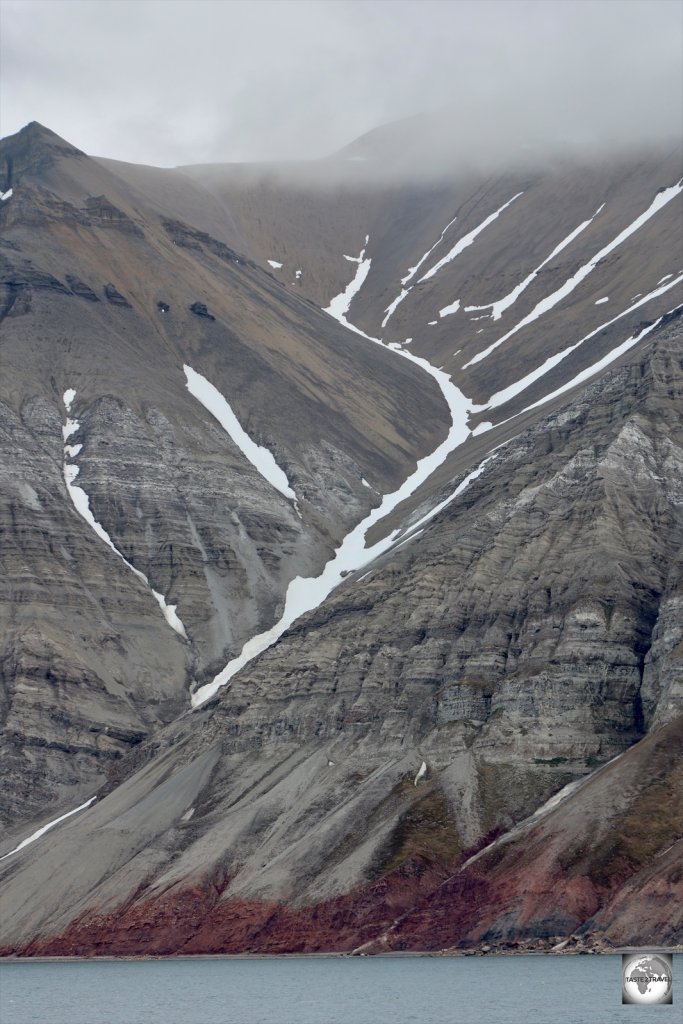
x: 504, y: 647
x: 80, y: 683
x: 83, y: 267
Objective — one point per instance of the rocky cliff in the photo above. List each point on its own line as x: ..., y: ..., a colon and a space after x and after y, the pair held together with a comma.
x: 291, y: 812
x: 98, y: 297
x: 452, y: 746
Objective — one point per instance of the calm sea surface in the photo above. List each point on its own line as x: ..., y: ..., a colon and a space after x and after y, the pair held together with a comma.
x: 402, y: 990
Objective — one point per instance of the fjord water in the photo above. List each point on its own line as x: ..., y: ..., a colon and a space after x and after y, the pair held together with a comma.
x: 323, y: 990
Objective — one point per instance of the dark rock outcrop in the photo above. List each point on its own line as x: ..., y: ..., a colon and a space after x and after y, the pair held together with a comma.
x: 199, y: 309
x: 113, y: 295
x: 81, y: 289
x: 103, y: 214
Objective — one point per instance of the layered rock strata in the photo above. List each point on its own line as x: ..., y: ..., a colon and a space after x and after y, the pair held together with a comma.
x: 506, y: 647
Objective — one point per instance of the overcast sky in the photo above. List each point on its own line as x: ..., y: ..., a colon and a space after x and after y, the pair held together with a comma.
x: 168, y: 82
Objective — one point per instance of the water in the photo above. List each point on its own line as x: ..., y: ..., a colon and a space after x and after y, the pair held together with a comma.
x: 324, y: 990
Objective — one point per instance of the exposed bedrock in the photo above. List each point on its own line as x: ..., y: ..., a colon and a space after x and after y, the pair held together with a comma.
x: 516, y: 645
x: 80, y: 686
x: 505, y: 684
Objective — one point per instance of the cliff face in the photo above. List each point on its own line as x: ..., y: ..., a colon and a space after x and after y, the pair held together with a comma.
x: 286, y: 814
x: 518, y: 642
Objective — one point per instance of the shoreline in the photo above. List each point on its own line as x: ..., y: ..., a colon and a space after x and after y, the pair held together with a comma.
x: 430, y: 954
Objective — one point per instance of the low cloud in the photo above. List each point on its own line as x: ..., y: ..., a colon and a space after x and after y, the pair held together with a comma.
x: 171, y: 83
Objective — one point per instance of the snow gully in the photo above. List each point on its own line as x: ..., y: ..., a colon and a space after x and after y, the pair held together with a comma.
x: 305, y: 594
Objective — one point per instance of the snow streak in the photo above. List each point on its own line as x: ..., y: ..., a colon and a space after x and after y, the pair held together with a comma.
x: 261, y: 458
x: 503, y: 396
x: 467, y: 240
x: 455, y: 251
x: 499, y: 307
x: 413, y: 270
x: 660, y: 200
x: 46, y: 828
x: 81, y: 503
x: 340, y: 304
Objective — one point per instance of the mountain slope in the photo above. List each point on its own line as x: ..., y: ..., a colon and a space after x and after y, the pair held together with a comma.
x: 241, y: 829
x: 98, y: 300
x: 509, y: 618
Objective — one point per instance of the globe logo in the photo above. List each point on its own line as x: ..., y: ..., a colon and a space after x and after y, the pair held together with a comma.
x: 647, y: 978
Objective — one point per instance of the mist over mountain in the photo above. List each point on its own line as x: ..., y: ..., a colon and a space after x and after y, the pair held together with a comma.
x: 215, y: 82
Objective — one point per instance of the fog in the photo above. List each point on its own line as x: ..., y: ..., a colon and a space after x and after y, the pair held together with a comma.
x: 172, y: 83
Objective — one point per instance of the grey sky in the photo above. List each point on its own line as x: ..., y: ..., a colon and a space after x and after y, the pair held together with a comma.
x: 169, y: 82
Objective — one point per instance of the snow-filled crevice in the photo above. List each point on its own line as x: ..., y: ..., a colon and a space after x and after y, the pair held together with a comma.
x: 81, y: 503
x: 498, y: 308
x: 455, y: 250
x: 46, y: 828
x: 550, y: 301
x: 262, y: 459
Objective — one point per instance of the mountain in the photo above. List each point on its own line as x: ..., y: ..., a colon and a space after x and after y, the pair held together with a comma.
x: 417, y: 443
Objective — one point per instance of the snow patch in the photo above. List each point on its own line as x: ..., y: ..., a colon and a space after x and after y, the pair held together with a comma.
x: 261, y: 458
x: 467, y: 240
x: 599, y: 302
x: 81, y: 503
x: 4, y: 196
x: 274, y: 264
x: 421, y: 774
x: 448, y: 310
x: 660, y: 201
x: 46, y: 828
